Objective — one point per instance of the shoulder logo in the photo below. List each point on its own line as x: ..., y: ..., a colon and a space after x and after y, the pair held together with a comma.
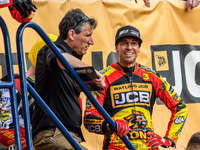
x: 179, y: 120
x: 148, y: 69
x: 104, y: 70
x: 107, y: 71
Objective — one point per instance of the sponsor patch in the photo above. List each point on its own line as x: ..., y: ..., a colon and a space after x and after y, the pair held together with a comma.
x: 179, y: 120
x: 123, y: 32
x: 122, y: 95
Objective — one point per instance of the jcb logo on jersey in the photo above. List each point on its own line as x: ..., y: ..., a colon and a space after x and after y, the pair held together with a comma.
x: 93, y: 125
x: 124, y: 95
x: 129, y: 98
x: 94, y: 128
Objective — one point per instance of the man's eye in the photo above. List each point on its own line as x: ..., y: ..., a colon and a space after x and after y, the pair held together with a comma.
x: 134, y: 43
x: 124, y: 43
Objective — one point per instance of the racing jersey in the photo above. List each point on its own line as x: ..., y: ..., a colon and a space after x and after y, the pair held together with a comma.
x: 6, y: 118
x: 6, y: 110
x: 130, y: 97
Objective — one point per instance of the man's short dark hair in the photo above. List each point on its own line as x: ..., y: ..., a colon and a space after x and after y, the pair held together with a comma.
x: 194, y: 141
x: 74, y: 19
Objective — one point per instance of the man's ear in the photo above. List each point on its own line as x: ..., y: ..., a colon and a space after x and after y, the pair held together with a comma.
x: 116, y: 49
x: 138, y: 50
x: 71, y: 34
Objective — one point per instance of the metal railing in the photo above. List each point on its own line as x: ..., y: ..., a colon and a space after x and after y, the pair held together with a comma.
x: 25, y: 85
x: 11, y: 83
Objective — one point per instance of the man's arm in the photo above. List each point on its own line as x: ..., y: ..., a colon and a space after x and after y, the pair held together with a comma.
x: 17, y: 16
x: 190, y: 4
x: 25, y: 7
x: 175, y: 104
x: 5, y: 3
x: 93, y: 121
x: 75, y: 63
x: 31, y: 72
x: 21, y: 10
x: 147, y: 3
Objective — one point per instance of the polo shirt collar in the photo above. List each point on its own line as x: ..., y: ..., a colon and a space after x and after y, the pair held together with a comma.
x: 73, y: 52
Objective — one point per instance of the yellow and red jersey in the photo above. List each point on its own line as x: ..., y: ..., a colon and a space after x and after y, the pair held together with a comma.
x: 131, y: 98
x: 5, y: 3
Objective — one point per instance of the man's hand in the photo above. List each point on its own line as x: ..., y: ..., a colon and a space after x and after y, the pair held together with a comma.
x: 191, y: 4
x: 17, y: 16
x: 157, y: 140
x: 122, y: 128
x: 101, y: 80
x: 147, y: 3
x: 25, y: 7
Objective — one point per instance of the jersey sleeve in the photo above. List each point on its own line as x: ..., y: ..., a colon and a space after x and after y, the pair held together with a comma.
x: 5, y: 3
x: 176, y: 105
x: 93, y: 121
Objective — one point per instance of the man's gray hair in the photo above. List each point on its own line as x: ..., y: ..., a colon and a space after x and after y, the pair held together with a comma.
x: 74, y: 19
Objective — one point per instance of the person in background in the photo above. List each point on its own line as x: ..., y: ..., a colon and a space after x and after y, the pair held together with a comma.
x: 56, y: 86
x: 7, y: 131
x: 32, y: 55
x: 21, y: 10
x: 129, y: 96
x: 190, y: 4
x: 194, y: 142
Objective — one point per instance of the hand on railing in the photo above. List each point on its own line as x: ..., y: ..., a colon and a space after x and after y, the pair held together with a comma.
x: 122, y: 128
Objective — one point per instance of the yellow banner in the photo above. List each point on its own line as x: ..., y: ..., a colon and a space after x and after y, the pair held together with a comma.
x: 170, y: 46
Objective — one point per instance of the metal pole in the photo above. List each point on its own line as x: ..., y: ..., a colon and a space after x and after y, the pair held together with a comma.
x: 48, y: 111
x: 24, y: 83
x: 11, y: 84
x: 77, y: 79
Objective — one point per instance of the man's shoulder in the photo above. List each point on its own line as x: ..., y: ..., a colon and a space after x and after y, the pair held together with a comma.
x: 46, y: 48
x: 43, y: 50
x: 108, y: 70
x: 147, y: 69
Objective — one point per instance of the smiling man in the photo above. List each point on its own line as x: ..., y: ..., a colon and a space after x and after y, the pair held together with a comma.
x: 129, y: 96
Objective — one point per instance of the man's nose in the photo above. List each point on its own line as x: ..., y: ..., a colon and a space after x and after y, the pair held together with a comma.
x: 91, y: 41
x: 129, y: 46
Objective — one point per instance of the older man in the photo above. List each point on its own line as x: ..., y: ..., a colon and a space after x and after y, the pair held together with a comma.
x: 57, y: 88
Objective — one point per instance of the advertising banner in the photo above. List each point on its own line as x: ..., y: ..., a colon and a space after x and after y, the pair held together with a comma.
x: 171, y: 46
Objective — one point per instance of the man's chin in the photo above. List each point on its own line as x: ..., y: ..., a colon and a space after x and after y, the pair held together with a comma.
x: 84, y: 52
